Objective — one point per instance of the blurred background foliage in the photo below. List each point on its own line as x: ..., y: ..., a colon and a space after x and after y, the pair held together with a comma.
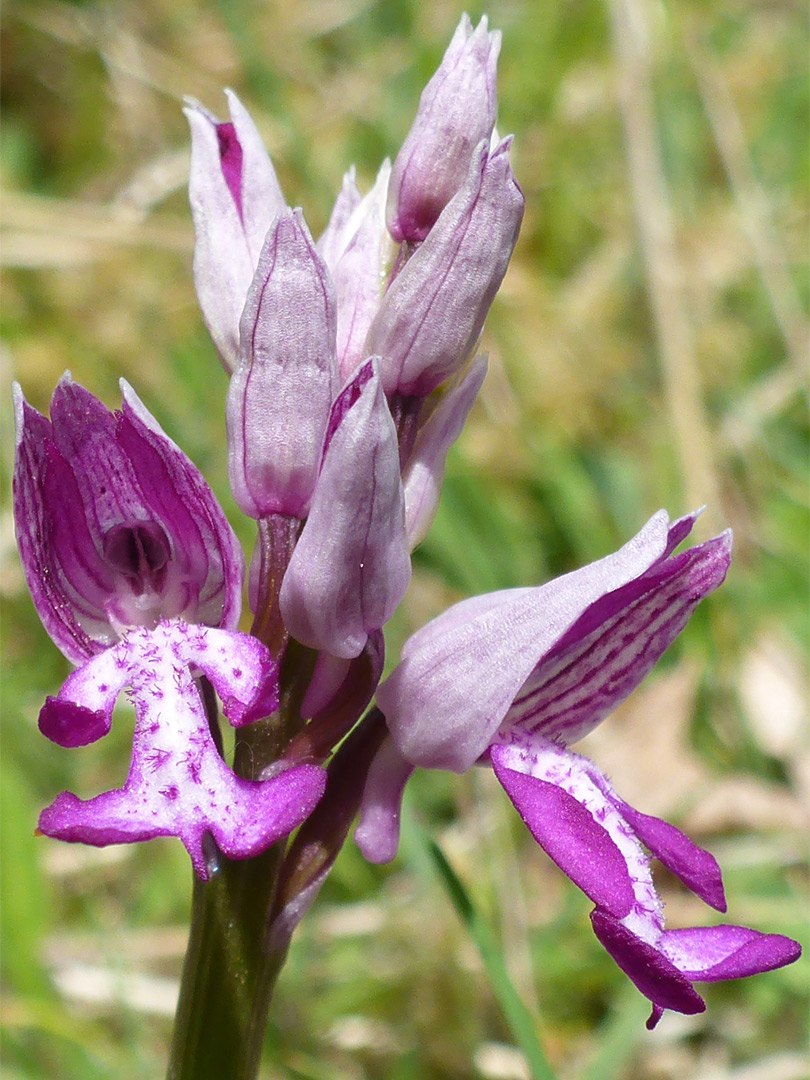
x: 647, y: 350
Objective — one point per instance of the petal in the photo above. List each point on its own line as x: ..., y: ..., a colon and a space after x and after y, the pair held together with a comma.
x: 178, y: 785
x: 203, y: 543
x: 84, y: 431
x: 457, y: 111
x: 424, y: 475
x: 332, y: 242
x: 695, y: 867
x: 714, y: 953
x: 238, y: 666
x: 434, y: 310
x: 351, y: 565
x: 654, y: 975
x: 261, y: 197
x: 377, y: 833
x: 460, y: 674
x: 66, y: 576
x: 568, y: 831
x: 82, y: 711
x: 282, y: 390
x: 244, y: 820
x: 595, y: 667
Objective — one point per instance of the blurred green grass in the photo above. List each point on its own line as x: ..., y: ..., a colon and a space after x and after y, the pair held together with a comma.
x: 579, y: 436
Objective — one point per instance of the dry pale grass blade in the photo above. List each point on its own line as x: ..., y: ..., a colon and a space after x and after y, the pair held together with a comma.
x: 40, y: 232
x: 665, y: 283
x: 120, y: 48
x: 756, y: 216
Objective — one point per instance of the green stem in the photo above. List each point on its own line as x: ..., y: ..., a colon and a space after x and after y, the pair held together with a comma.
x: 229, y: 973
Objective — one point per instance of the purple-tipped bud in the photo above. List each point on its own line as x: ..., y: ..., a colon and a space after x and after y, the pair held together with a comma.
x: 457, y: 111
x: 116, y: 527
x: 434, y: 311
x: 234, y: 197
x: 351, y: 565
x: 283, y: 386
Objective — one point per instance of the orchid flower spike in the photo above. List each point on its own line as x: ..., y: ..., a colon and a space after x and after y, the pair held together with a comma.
x: 512, y: 679
x: 116, y: 527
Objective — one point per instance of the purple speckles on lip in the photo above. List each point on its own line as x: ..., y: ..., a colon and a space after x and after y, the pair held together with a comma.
x: 173, y: 753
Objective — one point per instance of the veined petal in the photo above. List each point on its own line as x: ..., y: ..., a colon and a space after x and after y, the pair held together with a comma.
x: 424, y: 474
x: 282, y: 390
x: 460, y: 674
x: 593, y: 669
x: 351, y: 564
x: 84, y: 431
x: 203, y: 543
x: 116, y: 527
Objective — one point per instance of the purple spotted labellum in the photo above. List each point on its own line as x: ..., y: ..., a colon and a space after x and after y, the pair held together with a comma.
x: 178, y: 785
x: 235, y: 197
x: 457, y: 110
x: 512, y: 679
x: 116, y: 527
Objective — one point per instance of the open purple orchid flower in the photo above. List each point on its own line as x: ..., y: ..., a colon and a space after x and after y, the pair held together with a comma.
x: 512, y: 679
x: 124, y: 548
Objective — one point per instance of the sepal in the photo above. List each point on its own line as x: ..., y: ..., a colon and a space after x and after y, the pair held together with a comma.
x: 282, y: 389
x: 351, y: 565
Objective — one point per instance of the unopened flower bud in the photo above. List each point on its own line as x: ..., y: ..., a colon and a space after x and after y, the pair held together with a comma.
x: 283, y: 386
x: 457, y: 110
x: 234, y: 196
x: 434, y: 311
